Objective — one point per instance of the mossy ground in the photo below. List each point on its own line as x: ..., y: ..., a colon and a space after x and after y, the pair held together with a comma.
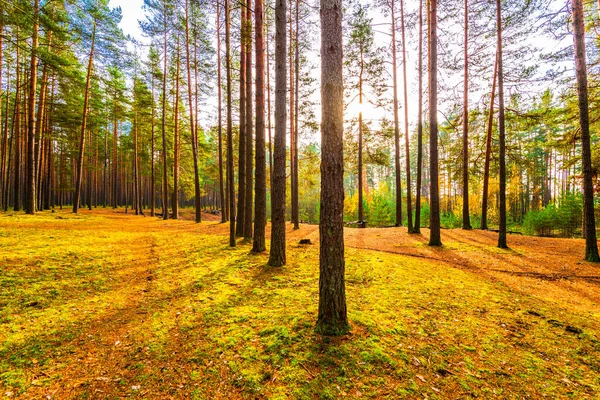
x: 108, y: 305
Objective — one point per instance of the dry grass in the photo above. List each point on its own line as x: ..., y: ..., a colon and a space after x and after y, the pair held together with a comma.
x: 108, y: 305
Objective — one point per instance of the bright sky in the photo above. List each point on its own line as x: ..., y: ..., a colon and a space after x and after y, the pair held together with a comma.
x: 132, y: 12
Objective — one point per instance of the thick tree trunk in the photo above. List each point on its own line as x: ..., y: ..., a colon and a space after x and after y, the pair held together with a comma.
x: 332, y: 319
x: 277, y: 256
x: 16, y: 127
x: 434, y: 224
x: 30, y: 206
x: 260, y: 201
x: 488, y: 151
x: 501, y: 133
x: 417, y: 227
x: 465, y: 167
x: 230, y: 172
x: 249, y: 148
x: 86, y: 99
x: 406, y: 141
x: 591, y: 245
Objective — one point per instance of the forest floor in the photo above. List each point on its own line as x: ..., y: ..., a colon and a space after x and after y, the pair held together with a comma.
x: 106, y: 305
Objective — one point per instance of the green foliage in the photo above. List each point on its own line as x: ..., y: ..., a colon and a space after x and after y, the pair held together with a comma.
x: 563, y: 218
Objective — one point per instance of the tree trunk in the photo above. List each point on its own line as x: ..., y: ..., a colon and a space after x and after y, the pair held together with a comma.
x: 397, y: 166
x: 591, y: 245
x: 466, y: 219
x: 434, y: 224
x: 220, y: 117
x: 260, y: 200
x: 230, y: 172
x: 417, y: 227
x: 152, y: 150
x: 249, y: 150
x: 488, y: 151
x: 406, y: 141
x: 360, y: 143
x: 30, y: 206
x: 332, y: 319
x: 501, y: 133
x: 294, y: 155
x: 277, y: 256
x: 241, y: 214
x: 165, y: 183
x: 86, y: 99
x: 175, y: 201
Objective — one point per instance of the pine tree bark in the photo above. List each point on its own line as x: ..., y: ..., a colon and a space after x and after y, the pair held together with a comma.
x: 465, y: 167
x: 488, y: 150
x: 152, y: 151
x: 165, y: 180
x: 277, y: 256
x: 241, y: 214
x: 230, y: 172
x: 86, y: 98
x: 332, y: 318
x: 249, y: 131
x: 175, y: 201
x: 294, y: 157
x: 434, y: 224
x: 260, y: 200
x: 398, y: 168
x: 30, y: 206
x: 501, y: 133
x: 417, y: 227
x: 591, y: 245
x: 361, y: 217
x: 222, y: 197
x: 409, y: 223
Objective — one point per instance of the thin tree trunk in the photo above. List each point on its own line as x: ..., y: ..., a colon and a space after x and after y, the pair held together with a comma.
x: 220, y: 117
x: 86, y: 99
x: 260, y: 200
x: 466, y: 219
x: 488, y: 151
x: 165, y: 183
x: 241, y: 214
x: 230, y: 172
x: 397, y: 166
x: 277, y: 256
x: 406, y: 141
x: 175, y: 202
x: 136, y: 188
x: 591, y: 245
x: 249, y: 148
x: 361, y: 217
x: 417, y: 227
x: 294, y: 172
x: 332, y: 319
x: 269, y: 106
x: 152, y: 150
x: 193, y: 128
x: 501, y: 133
x: 30, y: 206
x: 434, y: 224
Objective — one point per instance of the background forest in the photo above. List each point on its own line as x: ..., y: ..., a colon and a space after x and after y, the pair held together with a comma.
x: 93, y: 117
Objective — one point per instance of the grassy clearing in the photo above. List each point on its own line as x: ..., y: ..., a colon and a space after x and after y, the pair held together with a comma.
x: 107, y: 306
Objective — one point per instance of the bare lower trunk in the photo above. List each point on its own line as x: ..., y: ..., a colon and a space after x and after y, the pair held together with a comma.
x: 260, y: 202
x: 434, y: 224
x: 501, y: 133
x: 332, y: 318
x: 488, y: 151
x: 277, y: 255
x: 591, y: 245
